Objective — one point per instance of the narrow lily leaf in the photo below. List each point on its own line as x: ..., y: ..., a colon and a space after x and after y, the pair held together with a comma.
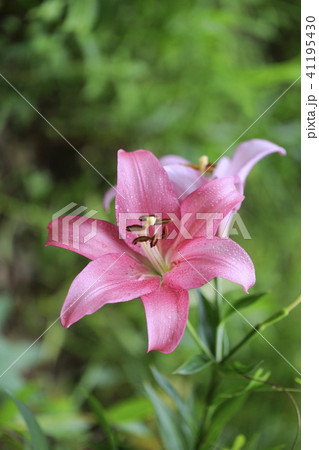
x: 222, y: 341
x: 237, y: 367
x: 182, y: 407
x: 240, y: 386
x: 138, y: 428
x: 221, y: 417
x: 130, y: 410
x: 279, y: 447
x: 194, y: 364
x: 265, y: 324
x: 239, y: 442
x: 208, y: 321
x: 253, y: 442
x: 169, y: 425
x: 243, y: 302
x: 99, y: 412
x: 259, y: 378
x: 226, y: 404
x: 38, y: 438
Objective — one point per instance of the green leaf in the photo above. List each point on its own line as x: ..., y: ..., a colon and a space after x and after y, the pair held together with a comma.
x: 68, y: 424
x: 222, y: 342
x: 208, y: 319
x: 5, y: 307
x: 129, y: 410
x: 238, y: 368
x: 38, y: 439
x: 253, y: 442
x: 182, y: 407
x: 81, y: 16
x: 169, y: 425
x: 243, y: 302
x: 99, y: 412
x: 239, y: 442
x: 194, y: 364
x: 259, y: 376
x: 221, y: 417
x: 48, y: 11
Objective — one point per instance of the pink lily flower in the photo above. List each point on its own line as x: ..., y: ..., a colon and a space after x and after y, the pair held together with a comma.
x: 158, y: 256
x: 187, y: 177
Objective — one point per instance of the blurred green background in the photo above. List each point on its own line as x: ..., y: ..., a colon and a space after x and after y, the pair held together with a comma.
x: 183, y: 77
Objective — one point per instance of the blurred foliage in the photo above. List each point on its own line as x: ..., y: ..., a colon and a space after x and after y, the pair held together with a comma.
x: 184, y: 77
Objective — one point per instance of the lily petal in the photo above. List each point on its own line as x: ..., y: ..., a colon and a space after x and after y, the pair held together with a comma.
x: 246, y: 155
x: 208, y: 205
x: 167, y: 160
x: 108, y: 279
x: 221, y: 167
x: 143, y: 187
x: 185, y: 179
x: 166, y: 312
x: 108, y: 197
x: 198, y: 261
x: 88, y: 237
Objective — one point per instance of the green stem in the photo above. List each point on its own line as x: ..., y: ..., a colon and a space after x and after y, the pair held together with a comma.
x: 262, y: 326
x: 221, y: 327
x: 286, y: 391
x: 292, y: 305
x: 208, y: 400
x: 218, y: 291
x: 197, y: 339
x: 213, y: 380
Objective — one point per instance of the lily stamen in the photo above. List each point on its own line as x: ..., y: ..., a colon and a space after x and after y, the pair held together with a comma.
x: 141, y: 239
x: 135, y: 228
x: 145, y: 218
x: 163, y: 221
x: 151, y: 251
x: 204, y: 165
x: 165, y: 232
x: 203, y: 162
x: 210, y: 167
x: 154, y: 240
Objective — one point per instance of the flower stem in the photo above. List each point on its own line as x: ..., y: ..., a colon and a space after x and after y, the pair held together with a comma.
x: 208, y: 400
x: 218, y: 291
x: 213, y: 380
x: 261, y: 326
x: 197, y: 339
x: 287, y: 391
x: 221, y: 326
